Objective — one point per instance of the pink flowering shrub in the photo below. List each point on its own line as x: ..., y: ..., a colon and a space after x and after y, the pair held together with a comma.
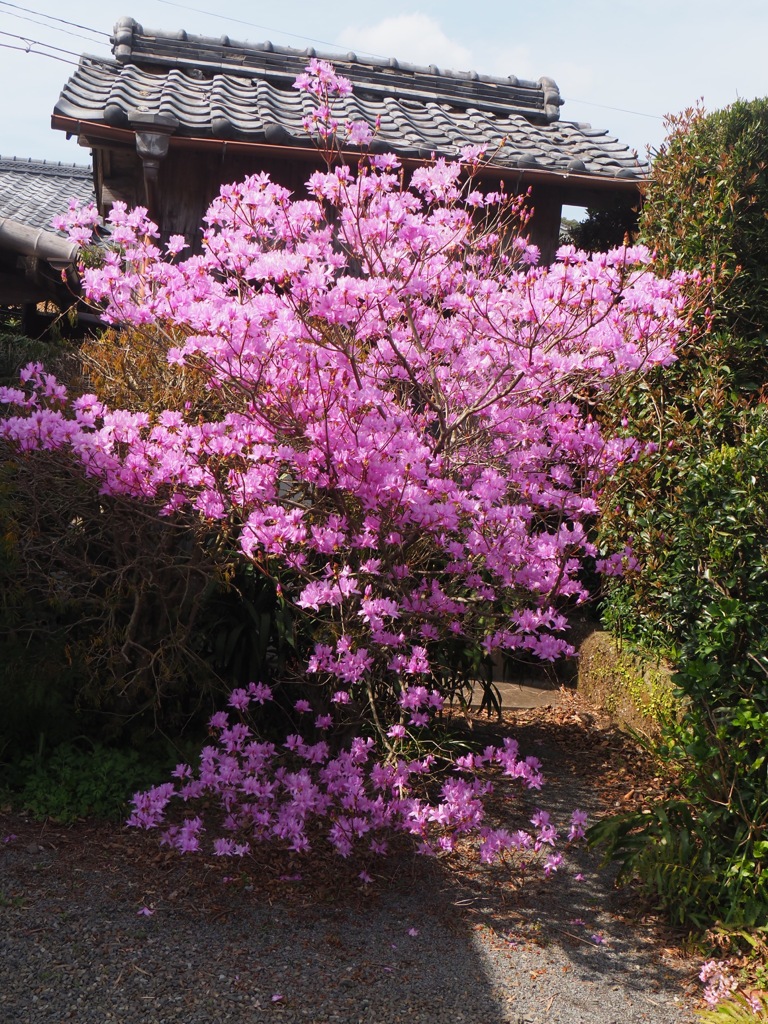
x: 406, y: 446
x: 268, y: 795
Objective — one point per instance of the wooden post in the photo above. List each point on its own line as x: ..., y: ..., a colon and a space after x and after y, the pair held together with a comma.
x: 544, y: 226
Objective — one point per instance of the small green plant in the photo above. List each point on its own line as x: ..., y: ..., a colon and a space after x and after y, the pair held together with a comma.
x: 14, y: 902
x: 82, y: 781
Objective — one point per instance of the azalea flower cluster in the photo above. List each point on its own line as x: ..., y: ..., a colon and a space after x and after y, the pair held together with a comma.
x: 322, y: 83
x: 288, y: 795
x: 718, y: 981
x: 406, y: 446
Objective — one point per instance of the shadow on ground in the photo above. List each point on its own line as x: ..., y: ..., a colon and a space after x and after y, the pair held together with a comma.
x: 101, y: 925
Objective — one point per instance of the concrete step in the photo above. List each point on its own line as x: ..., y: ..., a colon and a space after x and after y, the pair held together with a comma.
x: 516, y: 696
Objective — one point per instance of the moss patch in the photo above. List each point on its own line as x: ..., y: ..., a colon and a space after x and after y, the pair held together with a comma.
x: 637, y: 691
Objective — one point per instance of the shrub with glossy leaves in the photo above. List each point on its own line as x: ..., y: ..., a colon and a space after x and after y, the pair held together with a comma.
x: 706, y: 208
x: 696, y: 516
x: 703, y: 852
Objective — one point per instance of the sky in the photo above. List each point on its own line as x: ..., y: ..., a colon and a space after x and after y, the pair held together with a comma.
x: 620, y: 65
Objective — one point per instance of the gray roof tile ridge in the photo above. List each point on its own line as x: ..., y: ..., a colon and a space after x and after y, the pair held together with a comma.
x: 131, y: 43
x: 54, y: 168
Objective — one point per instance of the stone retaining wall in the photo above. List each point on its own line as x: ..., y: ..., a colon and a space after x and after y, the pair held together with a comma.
x: 636, y: 691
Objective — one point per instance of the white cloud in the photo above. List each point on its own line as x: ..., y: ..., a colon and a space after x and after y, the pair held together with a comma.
x: 511, y: 60
x: 413, y: 38
x: 573, y: 78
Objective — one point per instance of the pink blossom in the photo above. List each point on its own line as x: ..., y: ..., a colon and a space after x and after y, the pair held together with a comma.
x: 239, y: 699
x: 552, y: 863
x: 718, y: 981
x: 259, y: 692
x: 578, y: 824
x: 402, y: 448
x: 358, y: 133
x: 419, y: 718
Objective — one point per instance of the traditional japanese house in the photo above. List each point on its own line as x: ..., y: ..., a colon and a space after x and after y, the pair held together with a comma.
x: 174, y: 116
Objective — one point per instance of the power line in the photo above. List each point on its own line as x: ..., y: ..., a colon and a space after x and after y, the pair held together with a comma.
x: 53, y: 28
x: 621, y: 110
x: 263, y: 28
x: 37, y: 42
x: 39, y: 53
x: 51, y: 17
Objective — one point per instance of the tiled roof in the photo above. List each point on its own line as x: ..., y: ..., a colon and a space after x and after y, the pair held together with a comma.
x: 32, y: 192
x: 217, y: 88
x: 132, y: 45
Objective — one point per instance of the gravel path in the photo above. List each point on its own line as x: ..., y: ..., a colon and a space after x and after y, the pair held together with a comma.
x: 425, y: 945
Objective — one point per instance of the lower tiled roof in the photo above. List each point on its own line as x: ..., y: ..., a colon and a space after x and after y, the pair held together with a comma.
x: 33, y: 192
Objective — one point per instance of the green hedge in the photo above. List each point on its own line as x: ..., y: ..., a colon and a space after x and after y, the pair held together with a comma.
x: 697, y: 516
x: 703, y: 852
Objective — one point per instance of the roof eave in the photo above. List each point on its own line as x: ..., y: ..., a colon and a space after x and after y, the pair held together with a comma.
x: 28, y: 241
x: 518, y: 177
